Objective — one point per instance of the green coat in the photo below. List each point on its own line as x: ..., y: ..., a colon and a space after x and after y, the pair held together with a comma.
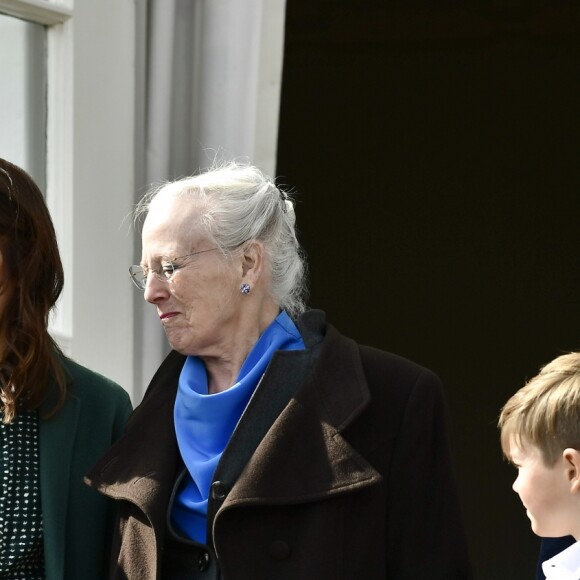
x: 77, y: 520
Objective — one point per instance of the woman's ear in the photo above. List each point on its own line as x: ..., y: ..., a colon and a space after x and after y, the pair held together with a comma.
x: 571, y: 458
x: 253, y: 255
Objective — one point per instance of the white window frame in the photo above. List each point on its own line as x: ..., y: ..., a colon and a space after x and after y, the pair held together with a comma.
x: 39, y: 11
x: 95, y: 150
x: 90, y: 170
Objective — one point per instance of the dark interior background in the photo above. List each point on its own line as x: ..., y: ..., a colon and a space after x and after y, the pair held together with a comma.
x: 433, y: 149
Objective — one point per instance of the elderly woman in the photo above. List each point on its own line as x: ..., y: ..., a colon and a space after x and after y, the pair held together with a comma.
x: 269, y: 446
x: 57, y: 417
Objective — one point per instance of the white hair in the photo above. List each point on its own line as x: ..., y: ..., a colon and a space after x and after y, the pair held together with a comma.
x: 241, y: 203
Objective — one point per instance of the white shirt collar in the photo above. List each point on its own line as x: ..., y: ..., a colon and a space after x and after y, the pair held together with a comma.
x: 565, y: 565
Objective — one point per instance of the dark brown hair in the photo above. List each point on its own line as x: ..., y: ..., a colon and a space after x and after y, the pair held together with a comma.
x: 32, y: 276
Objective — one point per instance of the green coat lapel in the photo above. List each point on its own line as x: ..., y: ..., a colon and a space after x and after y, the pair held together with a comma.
x: 57, y: 439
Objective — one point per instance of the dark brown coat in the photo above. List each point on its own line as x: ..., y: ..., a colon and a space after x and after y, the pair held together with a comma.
x: 346, y: 474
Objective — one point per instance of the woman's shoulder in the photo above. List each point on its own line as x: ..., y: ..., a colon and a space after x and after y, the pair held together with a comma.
x: 375, y: 358
x: 85, y: 382
x: 399, y: 378
x: 396, y: 362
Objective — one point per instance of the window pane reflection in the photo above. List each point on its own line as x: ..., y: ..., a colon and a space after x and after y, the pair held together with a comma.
x: 23, y: 95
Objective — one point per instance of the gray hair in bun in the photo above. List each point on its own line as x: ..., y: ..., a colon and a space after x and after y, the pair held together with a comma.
x: 240, y: 203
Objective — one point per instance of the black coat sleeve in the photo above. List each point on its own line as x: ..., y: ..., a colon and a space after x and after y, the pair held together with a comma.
x: 425, y: 533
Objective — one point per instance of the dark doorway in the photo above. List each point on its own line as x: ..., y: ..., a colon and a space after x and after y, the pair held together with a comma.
x: 435, y: 154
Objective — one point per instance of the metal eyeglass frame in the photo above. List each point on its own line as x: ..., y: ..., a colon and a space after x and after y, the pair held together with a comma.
x: 164, y: 273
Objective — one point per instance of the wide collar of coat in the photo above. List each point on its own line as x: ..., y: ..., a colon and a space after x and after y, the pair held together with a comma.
x: 301, y: 457
x: 57, y: 435
x: 140, y: 467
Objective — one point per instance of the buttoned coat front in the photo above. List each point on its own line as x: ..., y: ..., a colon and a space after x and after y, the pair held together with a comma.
x: 339, y: 469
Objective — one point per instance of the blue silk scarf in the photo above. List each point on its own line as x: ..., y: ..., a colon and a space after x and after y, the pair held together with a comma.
x: 204, y: 423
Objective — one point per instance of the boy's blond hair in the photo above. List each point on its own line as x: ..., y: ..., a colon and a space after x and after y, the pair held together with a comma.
x: 546, y: 411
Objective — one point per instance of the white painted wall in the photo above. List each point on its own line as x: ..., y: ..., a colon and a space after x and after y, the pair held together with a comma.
x: 90, y: 166
x: 95, y: 149
x: 239, y: 54
x: 103, y: 185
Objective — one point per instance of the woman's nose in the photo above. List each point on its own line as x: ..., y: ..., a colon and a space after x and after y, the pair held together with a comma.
x: 155, y: 289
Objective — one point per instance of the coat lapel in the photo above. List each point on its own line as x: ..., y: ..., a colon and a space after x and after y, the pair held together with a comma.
x: 57, y: 438
x: 142, y: 465
x: 304, y: 456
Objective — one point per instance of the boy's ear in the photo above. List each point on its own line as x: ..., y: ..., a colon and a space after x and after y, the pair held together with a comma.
x: 572, y: 461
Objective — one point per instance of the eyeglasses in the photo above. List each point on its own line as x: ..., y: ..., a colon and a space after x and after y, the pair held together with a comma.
x: 164, y: 272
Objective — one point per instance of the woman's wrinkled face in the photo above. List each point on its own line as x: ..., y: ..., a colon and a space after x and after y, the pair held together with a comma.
x: 199, y: 306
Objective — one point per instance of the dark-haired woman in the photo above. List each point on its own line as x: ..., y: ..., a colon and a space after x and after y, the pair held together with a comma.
x: 57, y: 417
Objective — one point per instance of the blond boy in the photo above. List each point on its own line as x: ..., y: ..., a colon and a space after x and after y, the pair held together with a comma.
x: 540, y: 435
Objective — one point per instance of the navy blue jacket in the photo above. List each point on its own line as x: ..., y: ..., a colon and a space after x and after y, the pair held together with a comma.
x: 549, y: 548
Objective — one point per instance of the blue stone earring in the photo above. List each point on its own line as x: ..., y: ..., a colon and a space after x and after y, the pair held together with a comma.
x: 245, y: 288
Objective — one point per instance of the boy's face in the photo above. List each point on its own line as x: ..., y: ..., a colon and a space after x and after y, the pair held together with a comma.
x: 545, y: 491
